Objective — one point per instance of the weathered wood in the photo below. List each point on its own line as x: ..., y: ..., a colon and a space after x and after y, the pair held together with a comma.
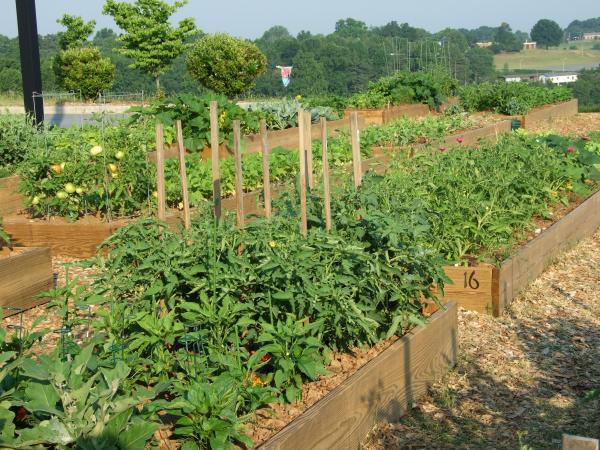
x: 187, y: 220
x: 472, y: 137
x: 24, y: 275
x: 239, y: 178
x: 308, y: 150
x: 302, y: 161
x: 160, y: 173
x: 265, y: 166
x: 473, y: 288
x: 355, y: 139
x: 215, y: 157
x: 326, y: 184
x: 11, y: 201
x: 546, y: 114
x: 530, y: 261
x: 570, y: 442
x: 382, y: 390
x: 387, y: 115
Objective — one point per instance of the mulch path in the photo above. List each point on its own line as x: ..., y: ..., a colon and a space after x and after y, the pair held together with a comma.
x: 521, y: 379
x: 576, y: 125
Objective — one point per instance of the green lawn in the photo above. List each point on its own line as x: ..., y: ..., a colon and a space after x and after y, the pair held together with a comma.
x: 540, y: 59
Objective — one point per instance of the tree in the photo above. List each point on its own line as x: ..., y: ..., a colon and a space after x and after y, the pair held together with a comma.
x: 84, y: 69
x: 77, y: 33
x: 351, y: 28
x: 149, y: 39
x: 546, y: 33
x: 225, y: 64
x: 506, y: 39
x: 481, y: 64
x: 79, y: 67
x: 587, y: 89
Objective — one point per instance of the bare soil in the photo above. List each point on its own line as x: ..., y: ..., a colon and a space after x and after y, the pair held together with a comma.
x: 521, y: 379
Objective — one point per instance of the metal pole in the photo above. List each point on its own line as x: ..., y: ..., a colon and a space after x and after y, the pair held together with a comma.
x: 30, y: 59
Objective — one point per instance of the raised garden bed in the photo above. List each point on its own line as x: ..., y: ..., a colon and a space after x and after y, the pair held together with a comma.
x: 489, y: 289
x: 11, y: 201
x: 386, y: 115
x: 547, y: 114
x: 24, y: 273
x: 382, y: 390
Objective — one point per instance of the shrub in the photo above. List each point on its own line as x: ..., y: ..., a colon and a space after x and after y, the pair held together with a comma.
x: 225, y: 64
x: 17, y: 135
x: 510, y: 98
x: 406, y: 87
x: 84, y: 69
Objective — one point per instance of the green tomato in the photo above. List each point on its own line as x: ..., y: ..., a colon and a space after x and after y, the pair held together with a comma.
x: 79, y: 190
x: 120, y: 155
x: 61, y: 195
x: 70, y: 188
x: 96, y: 150
x: 35, y: 200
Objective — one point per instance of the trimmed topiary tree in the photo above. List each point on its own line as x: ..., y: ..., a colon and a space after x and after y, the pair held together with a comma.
x: 226, y: 64
x: 84, y: 69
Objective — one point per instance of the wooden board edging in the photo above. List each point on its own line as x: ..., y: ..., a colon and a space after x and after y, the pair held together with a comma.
x: 518, y: 271
x: 11, y: 201
x: 546, y: 114
x: 384, y: 389
x: 23, y: 276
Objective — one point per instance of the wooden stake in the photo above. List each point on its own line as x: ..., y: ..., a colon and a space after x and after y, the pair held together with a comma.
x: 326, y: 186
x: 302, y: 158
x: 265, y: 164
x: 160, y: 172
x: 239, y: 180
x: 309, y: 156
x: 187, y: 220
x: 216, y: 164
x: 356, y: 163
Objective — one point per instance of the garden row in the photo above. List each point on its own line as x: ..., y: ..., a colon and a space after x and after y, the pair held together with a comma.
x: 249, y: 311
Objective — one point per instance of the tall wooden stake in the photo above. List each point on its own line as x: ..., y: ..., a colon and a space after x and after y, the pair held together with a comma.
x: 239, y: 181
x: 160, y: 172
x: 356, y: 163
x: 265, y: 165
x: 302, y: 158
x: 309, y: 156
x: 326, y: 186
x: 216, y: 163
x: 187, y: 220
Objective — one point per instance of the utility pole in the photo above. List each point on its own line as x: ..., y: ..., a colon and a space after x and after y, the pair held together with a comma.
x: 30, y: 59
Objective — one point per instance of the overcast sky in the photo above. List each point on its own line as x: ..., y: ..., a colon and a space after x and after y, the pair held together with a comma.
x: 250, y: 18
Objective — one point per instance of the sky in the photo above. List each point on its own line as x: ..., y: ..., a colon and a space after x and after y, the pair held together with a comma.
x: 250, y: 18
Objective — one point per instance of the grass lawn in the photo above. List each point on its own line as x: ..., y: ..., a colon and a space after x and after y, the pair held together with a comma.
x: 540, y: 59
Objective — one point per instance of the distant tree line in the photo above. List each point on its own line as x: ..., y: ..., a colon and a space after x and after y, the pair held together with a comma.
x: 341, y: 63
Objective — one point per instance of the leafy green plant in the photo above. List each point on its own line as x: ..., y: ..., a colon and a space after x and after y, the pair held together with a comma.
x: 194, y: 114
x: 225, y: 64
x: 18, y: 136
x: 283, y: 114
x: 510, y: 98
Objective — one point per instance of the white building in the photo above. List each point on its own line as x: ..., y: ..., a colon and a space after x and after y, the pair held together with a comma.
x: 559, y: 78
x: 591, y: 36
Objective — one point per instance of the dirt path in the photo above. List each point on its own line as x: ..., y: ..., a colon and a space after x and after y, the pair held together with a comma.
x: 577, y: 125
x: 521, y: 380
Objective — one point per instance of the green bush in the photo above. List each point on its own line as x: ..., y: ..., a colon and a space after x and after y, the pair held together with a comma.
x: 510, y: 98
x: 225, y: 64
x: 406, y: 87
x: 85, y: 70
x: 18, y: 135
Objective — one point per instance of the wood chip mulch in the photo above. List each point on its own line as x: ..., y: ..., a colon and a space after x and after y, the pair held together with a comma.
x: 579, y: 124
x: 521, y: 380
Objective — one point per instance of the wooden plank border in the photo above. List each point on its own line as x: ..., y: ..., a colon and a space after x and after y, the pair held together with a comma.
x: 382, y: 390
x: 23, y: 276
x: 546, y: 114
x: 11, y: 201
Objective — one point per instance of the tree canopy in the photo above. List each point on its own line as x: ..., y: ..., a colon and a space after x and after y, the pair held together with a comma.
x: 547, y: 33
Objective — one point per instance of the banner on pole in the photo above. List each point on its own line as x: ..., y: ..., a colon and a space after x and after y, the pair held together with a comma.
x: 286, y: 75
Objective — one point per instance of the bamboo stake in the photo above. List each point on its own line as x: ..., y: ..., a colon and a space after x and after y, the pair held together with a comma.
x: 187, y: 220
x: 160, y: 172
x: 326, y: 186
x: 239, y: 180
x: 265, y: 164
x: 309, y: 155
x: 216, y: 164
x: 302, y: 157
x: 356, y: 163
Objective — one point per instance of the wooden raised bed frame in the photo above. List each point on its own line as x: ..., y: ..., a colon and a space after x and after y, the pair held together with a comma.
x: 22, y: 276
x: 489, y: 289
x: 384, y: 389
